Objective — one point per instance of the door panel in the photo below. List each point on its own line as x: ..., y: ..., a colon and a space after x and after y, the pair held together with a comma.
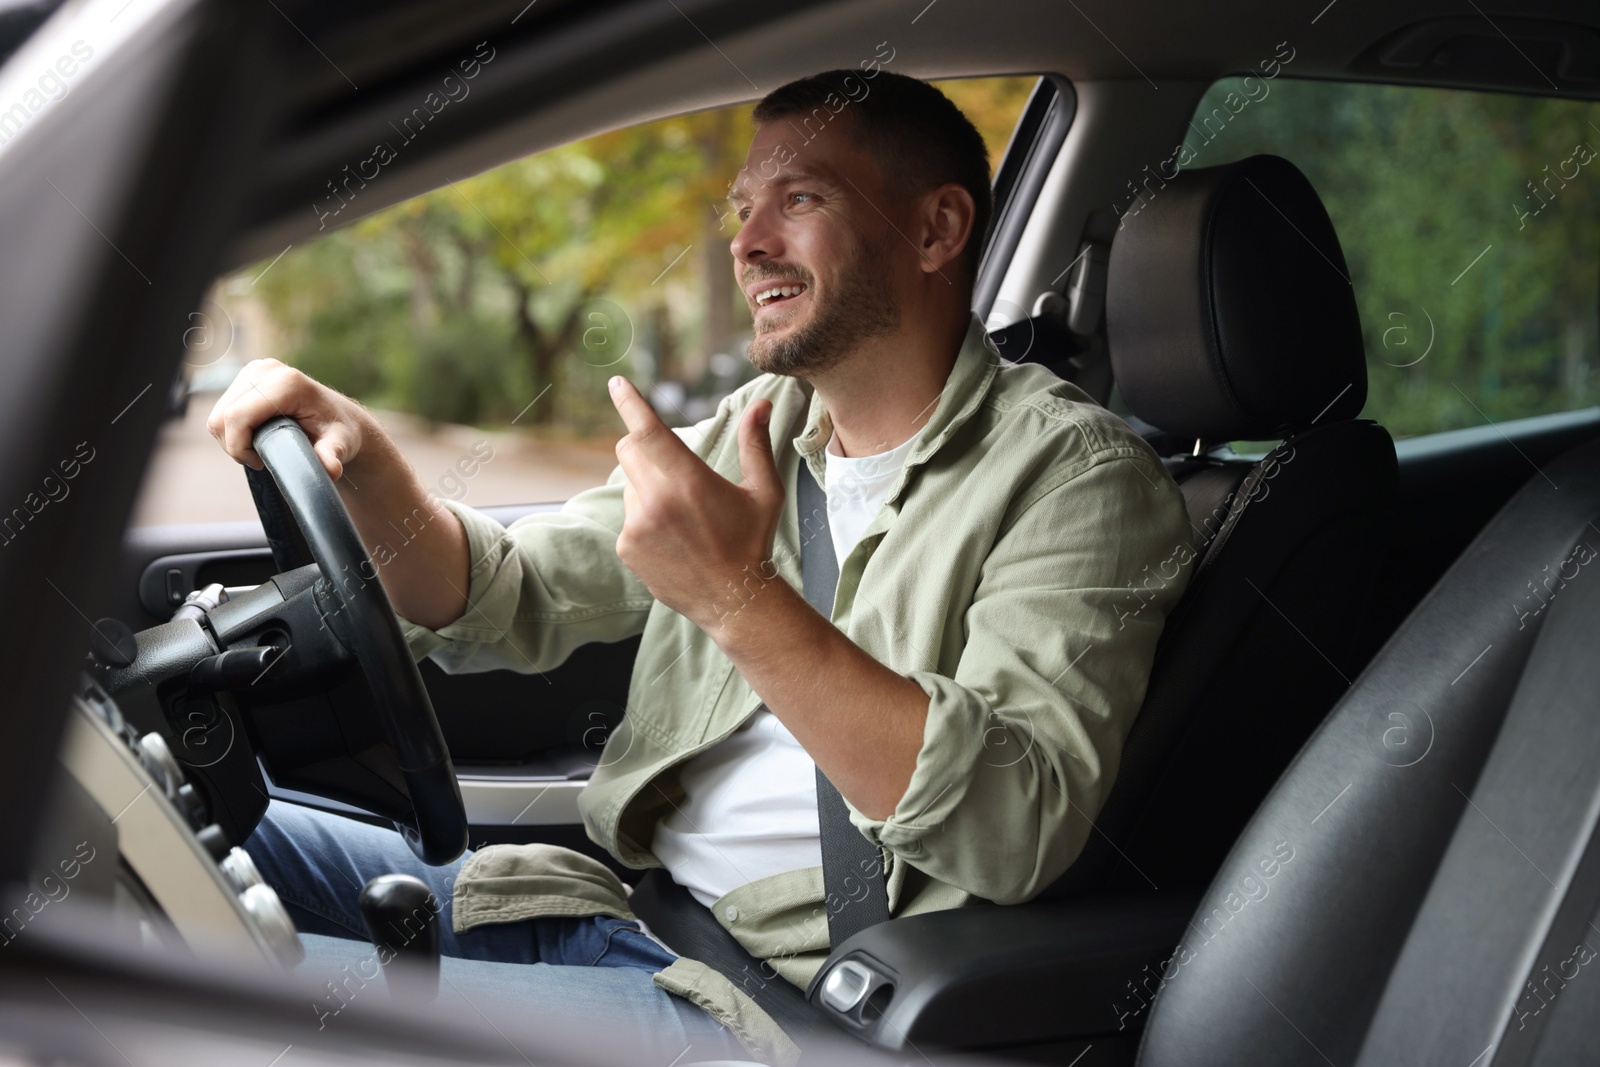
x: 110, y: 230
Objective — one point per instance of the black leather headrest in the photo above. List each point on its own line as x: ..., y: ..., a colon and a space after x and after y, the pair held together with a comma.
x: 1229, y: 309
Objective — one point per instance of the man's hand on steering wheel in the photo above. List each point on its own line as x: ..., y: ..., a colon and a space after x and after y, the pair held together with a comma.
x: 305, y: 435
x: 427, y: 583
x: 336, y: 426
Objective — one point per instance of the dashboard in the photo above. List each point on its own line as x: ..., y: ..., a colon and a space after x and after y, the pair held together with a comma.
x: 130, y: 832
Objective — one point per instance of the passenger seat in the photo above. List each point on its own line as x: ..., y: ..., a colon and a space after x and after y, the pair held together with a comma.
x: 1230, y: 316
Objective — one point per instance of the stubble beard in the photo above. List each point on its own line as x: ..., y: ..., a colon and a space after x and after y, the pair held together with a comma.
x: 862, y: 307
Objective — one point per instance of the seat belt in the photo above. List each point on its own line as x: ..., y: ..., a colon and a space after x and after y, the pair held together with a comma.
x: 687, y: 926
x: 849, y: 860
x: 852, y: 866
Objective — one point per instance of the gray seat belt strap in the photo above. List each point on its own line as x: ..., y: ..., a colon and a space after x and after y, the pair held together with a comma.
x: 857, y: 895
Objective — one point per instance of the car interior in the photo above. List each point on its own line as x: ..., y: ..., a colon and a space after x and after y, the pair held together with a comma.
x: 1354, y: 821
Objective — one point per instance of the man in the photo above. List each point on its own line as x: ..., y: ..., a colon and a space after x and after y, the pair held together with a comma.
x: 997, y: 535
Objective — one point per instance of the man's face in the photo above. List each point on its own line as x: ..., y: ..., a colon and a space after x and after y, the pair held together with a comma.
x: 809, y: 223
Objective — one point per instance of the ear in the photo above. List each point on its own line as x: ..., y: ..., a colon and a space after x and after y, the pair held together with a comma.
x: 944, y: 226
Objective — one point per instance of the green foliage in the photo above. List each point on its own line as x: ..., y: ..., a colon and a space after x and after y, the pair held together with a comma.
x: 1419, y: 183
x: 466, y: 303
x: 349, y: 342
x: 466, y: 370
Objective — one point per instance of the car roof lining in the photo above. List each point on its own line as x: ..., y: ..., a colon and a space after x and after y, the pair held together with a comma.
x: 686, y: 56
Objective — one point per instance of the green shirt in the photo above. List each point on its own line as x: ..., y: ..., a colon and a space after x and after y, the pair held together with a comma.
x: 1020, y: 571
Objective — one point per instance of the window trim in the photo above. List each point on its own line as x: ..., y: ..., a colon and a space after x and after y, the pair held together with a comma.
x: 1031, y: 152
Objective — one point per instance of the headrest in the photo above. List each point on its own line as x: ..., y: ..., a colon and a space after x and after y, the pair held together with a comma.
x: 1229, y: 309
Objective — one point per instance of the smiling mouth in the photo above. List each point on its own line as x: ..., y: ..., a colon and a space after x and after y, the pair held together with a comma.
x: 778, y: 294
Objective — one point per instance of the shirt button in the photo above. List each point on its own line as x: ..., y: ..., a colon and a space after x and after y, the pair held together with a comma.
x: 731, y: 913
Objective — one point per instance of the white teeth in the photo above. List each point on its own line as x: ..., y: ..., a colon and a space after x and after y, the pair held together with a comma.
x: 776, y: 291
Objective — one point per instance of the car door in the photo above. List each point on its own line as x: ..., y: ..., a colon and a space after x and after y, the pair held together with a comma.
x: 109, y: 233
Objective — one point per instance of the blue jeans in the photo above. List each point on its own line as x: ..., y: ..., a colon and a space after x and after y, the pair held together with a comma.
x: 586, y: 975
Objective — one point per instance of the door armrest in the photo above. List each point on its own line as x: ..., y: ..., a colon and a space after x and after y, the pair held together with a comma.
x: 989, y: 975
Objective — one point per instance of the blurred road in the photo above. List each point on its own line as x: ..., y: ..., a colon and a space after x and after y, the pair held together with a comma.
x: 190, y: 479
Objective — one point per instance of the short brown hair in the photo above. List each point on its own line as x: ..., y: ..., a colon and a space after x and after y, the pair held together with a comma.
x: 920, y: 139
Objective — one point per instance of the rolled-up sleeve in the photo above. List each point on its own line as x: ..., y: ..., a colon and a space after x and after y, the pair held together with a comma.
x: 539, y: 588
x: 1021, y: 745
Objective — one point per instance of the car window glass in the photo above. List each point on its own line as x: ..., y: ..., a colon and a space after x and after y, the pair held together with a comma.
x: 480, y: 321
x: 1468, y: 223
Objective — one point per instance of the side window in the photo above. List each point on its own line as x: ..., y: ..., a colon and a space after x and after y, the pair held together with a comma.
x: 480, y: 321
x: 1468, y: 221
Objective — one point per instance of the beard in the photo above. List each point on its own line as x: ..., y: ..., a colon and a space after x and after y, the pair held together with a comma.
x: 861, y: 306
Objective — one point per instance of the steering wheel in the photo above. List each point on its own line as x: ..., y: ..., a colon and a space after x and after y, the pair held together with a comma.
x: 436, y: 827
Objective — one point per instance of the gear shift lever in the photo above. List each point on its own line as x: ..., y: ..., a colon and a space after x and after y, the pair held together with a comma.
x: 401, y: 915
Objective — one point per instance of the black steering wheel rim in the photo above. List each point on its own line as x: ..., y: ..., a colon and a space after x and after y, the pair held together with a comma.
x: 436, y: 828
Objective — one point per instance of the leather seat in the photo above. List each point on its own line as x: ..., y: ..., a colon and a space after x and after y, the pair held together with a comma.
x: 1230, y: 316
x: 1438, y: 905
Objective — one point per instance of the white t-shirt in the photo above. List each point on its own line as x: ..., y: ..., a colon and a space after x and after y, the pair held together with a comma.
x: 857, y: 488
x: 750, y: 804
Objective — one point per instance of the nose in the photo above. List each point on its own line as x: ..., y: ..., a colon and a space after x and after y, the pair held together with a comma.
x: 758, y: 237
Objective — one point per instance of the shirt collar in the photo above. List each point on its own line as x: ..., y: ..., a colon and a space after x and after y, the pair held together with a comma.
x: 977, y: 360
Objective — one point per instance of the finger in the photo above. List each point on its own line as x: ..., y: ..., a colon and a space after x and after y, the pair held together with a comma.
x: 241, y: 383
x: 263, y: 389
x: 334, y: 446
x: 267, y: 388
x: 639, y: 476
x: 637, y: 468
x: 636, y: 412
x: 760, y: 470
x: 217, y: 421
x: 259, y: 401
x: 246, y: 405
x: 630, y: 507
x: 647, y: 434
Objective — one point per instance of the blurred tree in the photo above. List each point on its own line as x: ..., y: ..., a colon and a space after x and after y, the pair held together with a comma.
x: 993, y: 105
x: 529, y: 284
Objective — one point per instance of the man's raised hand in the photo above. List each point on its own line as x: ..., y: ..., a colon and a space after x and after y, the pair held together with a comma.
x: 688, y: 532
